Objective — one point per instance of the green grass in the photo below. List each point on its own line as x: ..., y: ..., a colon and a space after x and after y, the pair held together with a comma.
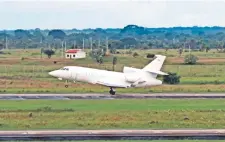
x: 112, y: 114
x: 20, y: 73
x: 85, y: 88
x: 114, y: 105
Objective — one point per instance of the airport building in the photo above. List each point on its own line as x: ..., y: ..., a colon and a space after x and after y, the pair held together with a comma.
x: 75, y: 54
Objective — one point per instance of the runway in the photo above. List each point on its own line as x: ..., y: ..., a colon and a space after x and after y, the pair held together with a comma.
x: 29, y: 135
x: 107, y: 96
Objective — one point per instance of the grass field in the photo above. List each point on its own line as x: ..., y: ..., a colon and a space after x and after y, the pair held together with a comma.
x: 24, y: 71
x: 112, y: 114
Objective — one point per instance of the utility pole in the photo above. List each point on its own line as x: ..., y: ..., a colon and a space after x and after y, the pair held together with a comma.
x: 107, y: 44
x: 99, y: 43
x: 74, y: 44
x: 107, y: 47
x: 83, y: 44
x: 189, y: 49
x: 62, y: 49
x: 91, y: 43
x: 6, y: 42
x: 65, y: 46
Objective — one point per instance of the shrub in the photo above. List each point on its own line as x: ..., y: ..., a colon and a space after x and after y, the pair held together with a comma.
x: 150, y: 55
x: 49, y: 52
x: 172, y: 78
x: 190, y: 59
x: 135, y: 54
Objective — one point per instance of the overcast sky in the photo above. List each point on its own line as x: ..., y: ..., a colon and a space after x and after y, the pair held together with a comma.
x: 109, y: 13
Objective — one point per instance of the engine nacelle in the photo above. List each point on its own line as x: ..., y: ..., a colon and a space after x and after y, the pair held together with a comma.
x: 130, y: 69
x: 131, y: 77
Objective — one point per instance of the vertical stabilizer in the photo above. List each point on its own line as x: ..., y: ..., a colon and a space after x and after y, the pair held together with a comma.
x: 155, y: 65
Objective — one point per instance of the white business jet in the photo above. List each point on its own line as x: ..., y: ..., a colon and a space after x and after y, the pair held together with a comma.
x: 130, y: 77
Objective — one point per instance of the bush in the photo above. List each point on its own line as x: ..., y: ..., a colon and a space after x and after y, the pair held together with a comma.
x: 150, y: 55
x: 135, y: 54
x: 172, y: 78
x: 49, y: 52
x: 190, y: 59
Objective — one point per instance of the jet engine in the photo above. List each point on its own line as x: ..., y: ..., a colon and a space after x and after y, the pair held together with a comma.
x: 131, y: 77
x: 130, y: 69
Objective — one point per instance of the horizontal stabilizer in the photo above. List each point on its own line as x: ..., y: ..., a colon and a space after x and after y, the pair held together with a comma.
x: 158, y: 72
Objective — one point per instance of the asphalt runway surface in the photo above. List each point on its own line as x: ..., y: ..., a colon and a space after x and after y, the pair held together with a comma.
x: 107, y: 96
x: 29, y: 135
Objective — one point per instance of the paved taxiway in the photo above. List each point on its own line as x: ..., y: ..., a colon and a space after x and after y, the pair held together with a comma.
x: 107, y: 96
x: 112, y: 134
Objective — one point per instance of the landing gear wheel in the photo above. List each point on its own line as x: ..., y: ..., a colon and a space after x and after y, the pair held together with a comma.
x: 112, y: 92
x: 66, y: 85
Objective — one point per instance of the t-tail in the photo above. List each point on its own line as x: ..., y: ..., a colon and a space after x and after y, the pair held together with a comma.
x: 155, y: 66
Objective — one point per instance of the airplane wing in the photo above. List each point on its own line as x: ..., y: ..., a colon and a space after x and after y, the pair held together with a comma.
x: 112, y: 83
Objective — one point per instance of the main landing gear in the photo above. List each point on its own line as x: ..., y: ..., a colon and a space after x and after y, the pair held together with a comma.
x: 66, y: 85
x: 112, y: 92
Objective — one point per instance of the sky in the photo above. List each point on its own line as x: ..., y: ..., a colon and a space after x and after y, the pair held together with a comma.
x: 82, y: 14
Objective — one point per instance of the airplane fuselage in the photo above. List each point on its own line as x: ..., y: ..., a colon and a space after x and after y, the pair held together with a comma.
x: 130, y: 77
x: 96, y: 76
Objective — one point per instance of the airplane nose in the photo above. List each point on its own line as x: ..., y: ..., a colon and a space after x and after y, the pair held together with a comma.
x: 52, y: 73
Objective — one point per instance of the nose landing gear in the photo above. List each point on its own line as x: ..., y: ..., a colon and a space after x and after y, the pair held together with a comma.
x: 112, y: 92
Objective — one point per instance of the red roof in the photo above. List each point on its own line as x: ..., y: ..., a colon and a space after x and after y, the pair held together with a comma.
x: 73, y: 50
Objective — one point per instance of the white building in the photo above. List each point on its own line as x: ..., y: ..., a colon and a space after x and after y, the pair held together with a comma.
x: 75, y: 54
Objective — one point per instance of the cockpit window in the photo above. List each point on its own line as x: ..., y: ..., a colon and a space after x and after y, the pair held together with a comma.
x: 64, y: 69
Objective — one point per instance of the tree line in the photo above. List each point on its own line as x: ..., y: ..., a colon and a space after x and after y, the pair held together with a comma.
x: 131, y: 36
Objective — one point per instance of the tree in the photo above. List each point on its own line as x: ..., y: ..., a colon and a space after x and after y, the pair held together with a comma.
x: 171, y: 78
x: 57, y: 34
x: 49, y: 52
x: 113, y: 51
x: 190, y: 59
x: 97, y: 55
x: 1, y: 46
x: 180, y: 51
x: 135, y: 54
x: 99, y: 59
x: 114, y: 62
x: 150, y: 55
